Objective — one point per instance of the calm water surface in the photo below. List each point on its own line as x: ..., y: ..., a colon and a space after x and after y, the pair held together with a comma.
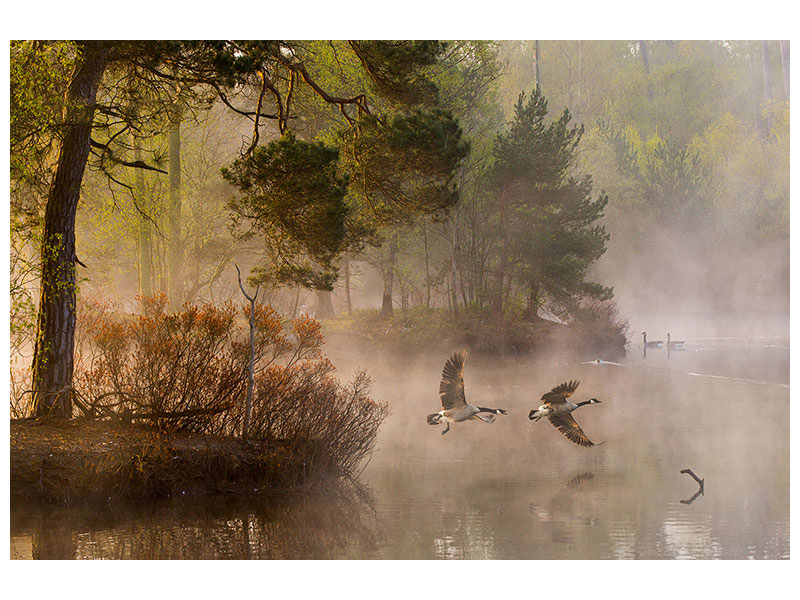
x: 514, y: 489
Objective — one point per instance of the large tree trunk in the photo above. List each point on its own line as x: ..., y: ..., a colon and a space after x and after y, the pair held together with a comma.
x: 53, y: 358
x: 324, y: 305
x: 783, y: 45
x: 387, y: 310
x: 497, y: 296
x: 765, y: 72
x: 174, y: 247
x: 646, y: 63
x: 143, y: 214
x: 347, y: 284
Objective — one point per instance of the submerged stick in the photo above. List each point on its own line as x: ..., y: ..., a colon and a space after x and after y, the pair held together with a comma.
x: 700, y: 482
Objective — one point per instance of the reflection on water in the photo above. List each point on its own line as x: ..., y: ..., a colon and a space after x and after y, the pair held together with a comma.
x: 338, y: 523
x: 513, y: 489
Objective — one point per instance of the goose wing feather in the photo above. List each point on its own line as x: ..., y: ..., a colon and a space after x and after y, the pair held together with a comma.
x: 451, y: 388
x: 567, y: 425
x: 561, y: 392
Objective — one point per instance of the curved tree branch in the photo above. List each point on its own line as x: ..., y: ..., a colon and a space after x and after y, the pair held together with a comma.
x: 138, y: 164
x: 254, y: 143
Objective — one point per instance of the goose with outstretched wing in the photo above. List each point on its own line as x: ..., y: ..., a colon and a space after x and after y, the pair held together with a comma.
x: 455, y: 407
x: 558, y: 409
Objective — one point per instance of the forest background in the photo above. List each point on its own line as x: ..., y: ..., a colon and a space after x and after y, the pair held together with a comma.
x: 671, y: 184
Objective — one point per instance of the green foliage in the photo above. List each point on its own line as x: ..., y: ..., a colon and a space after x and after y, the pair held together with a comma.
x: 692, y: 140
x: 749, y: 174
x: 231, y: 62
x: 656, y: 156
x: 401, y: 160
x: 402, y: 165
x: 532, y: 151
x: 468, y: 77
x: 292, y: 193
x: 548, y: 216
x: 668, y: 179
x: 39, y: 74
x: 554, y: 245
x: 396, y: 68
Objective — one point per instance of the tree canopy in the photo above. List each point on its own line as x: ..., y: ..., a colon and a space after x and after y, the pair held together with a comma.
x: 415, y: 166
x: 293, y: 195
x: 549, y: 220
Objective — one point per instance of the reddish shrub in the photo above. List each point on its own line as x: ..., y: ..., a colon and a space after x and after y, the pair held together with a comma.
x: 188, y: 371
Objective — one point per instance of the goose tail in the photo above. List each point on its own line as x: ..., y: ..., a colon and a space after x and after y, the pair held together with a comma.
x: 433, y: 419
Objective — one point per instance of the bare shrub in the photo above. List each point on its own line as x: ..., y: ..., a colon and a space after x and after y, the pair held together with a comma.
x: 602, y: 313
x: 187, y: 371
x: 172, y: 371
x: 325, y: 423
x: 298, y: 402
x: 20, y: 397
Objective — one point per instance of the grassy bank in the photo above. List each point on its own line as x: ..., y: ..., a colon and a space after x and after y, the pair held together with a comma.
x: 60, y: 460
x: 593, y: 335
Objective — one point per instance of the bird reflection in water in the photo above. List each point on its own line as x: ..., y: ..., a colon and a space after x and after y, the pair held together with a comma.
x: 559, y: 514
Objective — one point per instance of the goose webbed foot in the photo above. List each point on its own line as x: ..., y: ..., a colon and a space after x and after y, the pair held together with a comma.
x: 446, y: 430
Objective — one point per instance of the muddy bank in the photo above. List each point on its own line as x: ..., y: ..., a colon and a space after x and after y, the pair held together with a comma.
x: 64, y: 461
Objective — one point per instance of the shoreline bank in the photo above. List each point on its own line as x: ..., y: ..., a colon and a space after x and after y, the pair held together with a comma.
x: 70, y: 460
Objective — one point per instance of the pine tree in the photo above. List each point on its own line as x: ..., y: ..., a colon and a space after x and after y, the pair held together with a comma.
x: 549, y: 235
x: 292, y: 193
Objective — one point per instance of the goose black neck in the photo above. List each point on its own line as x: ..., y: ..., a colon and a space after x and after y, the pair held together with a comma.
x: 583, y: 403
x: 491, y: 410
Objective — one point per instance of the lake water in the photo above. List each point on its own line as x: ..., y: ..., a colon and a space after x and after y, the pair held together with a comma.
x: 514, y: 489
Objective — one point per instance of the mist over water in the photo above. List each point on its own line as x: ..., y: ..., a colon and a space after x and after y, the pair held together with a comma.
x: 712, y: 271
x: 517, y: 489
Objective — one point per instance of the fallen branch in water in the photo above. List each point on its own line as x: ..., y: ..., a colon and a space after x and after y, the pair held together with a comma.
x: 700, y: 482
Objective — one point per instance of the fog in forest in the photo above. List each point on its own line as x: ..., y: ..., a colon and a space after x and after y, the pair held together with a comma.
x: 708, y: 259
x: 665, y: 210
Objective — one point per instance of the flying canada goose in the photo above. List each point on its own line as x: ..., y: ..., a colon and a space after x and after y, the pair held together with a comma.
x: 653, y: 344
x: 455, y: 407
x: 677, y: 344
x: 557, y: 409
